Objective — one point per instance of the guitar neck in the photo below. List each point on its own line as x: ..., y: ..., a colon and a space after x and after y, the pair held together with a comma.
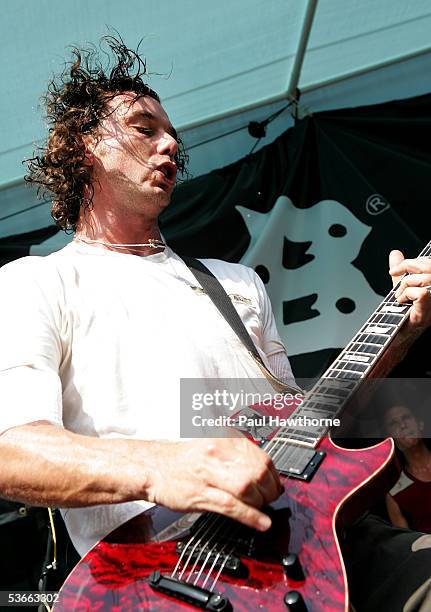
x: 329, y: 395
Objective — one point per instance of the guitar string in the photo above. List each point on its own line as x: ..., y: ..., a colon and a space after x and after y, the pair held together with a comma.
x: 239, y: 526
x: 222, y: 520
x: 208, y: 523
x: 214, y: 563
x: 338, y: 374
x: 213, y: 535
x: 209, y: 518
x: 235, y: 527
x: 222, y: 566
x: 293, y: 451
x: 374, y: 319
x: 218, y: 554
x: 388, y: 300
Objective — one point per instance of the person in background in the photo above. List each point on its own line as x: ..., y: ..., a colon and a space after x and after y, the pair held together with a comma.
x: 409, y: 502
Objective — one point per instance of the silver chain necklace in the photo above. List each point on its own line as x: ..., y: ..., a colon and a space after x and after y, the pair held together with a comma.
x: 153, y: 243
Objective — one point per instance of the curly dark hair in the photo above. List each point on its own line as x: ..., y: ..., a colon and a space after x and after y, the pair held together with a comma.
x: 76, y: 102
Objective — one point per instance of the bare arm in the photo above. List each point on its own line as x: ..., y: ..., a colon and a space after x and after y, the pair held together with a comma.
x: 396, y: 517
x: 43, y: 464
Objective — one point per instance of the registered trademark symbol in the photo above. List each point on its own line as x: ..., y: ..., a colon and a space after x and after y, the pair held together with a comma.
x: 376, y: 204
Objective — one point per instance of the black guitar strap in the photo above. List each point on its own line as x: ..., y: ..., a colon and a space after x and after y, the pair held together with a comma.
x: 216, y: 292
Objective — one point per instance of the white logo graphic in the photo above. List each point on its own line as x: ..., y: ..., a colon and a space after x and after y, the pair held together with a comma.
x: 330, y: 274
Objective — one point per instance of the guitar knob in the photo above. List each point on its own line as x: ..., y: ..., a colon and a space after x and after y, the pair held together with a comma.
x: 292, y: 567
x: 294, y: 602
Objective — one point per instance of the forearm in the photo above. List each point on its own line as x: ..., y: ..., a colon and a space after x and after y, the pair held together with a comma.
x: 45, y: 465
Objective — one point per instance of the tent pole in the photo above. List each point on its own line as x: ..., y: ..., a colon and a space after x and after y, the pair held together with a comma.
x: 300, y: 53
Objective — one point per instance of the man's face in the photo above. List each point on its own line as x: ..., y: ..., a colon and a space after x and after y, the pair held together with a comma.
x: 133, y: 155
x: 402, y: 425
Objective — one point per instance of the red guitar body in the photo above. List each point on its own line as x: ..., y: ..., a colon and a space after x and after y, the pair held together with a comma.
x: 306, y: 520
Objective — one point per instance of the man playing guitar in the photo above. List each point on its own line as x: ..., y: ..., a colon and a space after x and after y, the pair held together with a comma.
x: 90, y: 358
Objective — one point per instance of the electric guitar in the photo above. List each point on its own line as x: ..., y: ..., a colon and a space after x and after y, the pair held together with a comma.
x: 162, y: 560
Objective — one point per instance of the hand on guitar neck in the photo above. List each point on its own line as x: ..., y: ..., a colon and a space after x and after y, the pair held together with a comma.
x: 415, y: 277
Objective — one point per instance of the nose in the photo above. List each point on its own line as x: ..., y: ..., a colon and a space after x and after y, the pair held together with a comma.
x: 167, y: 145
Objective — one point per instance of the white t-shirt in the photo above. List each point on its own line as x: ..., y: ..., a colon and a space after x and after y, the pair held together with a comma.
x: 97, y: 341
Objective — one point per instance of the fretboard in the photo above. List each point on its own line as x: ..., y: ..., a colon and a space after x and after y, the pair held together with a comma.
x: 329, y: 395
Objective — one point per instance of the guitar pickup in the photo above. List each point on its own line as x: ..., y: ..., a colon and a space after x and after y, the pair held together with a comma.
x: 194, y: 595
x: 231, y: 565
x: 303, y: 467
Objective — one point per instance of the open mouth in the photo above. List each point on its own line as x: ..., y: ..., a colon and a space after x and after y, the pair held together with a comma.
x: 169, y: 171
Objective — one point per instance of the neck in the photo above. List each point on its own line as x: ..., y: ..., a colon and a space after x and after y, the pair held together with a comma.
x: 418, y: 457
x: 110, y: 231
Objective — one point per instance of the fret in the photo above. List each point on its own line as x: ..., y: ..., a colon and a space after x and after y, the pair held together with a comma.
x: 304, y: 428
x: 358, y: 356
x: 392, y: 319
x: 379, y: 339
x: 333, y: 392
x: 293, y: 436
x: 328, y: 403
x: 376, y: 328
x: 366, y: 347
x: 337, y: 385
x: 305, y: 431
x: 352, y: 365
x: 347, y: 374
x: 317, y: 398
x: 312, y: 403
x: 398, y: 309
x: 299, y: 443
x: 325, y: 411
x: 287, y: 450
x: 322, y: 411
x: 311, y: 412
